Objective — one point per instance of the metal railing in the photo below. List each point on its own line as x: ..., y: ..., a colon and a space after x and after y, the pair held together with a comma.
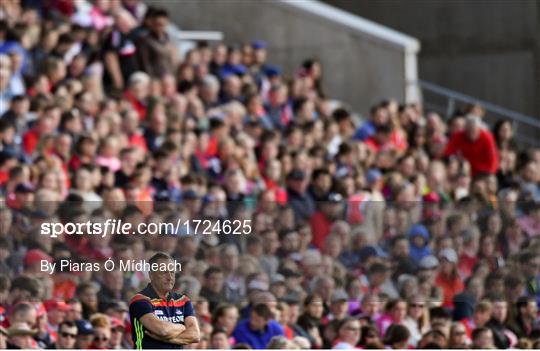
x: 446, y: 101
x: 187, y: 40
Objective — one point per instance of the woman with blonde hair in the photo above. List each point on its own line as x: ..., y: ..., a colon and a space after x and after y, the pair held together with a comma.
x: 417, y: 320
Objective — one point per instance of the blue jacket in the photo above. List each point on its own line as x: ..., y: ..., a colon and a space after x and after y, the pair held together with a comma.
x: 257, y: 339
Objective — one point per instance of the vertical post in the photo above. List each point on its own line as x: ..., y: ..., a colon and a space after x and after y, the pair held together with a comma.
x: 450, y: 108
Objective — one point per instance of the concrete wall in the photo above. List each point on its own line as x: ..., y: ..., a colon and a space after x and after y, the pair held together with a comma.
x: 358, y: 68
x: 487, y: 49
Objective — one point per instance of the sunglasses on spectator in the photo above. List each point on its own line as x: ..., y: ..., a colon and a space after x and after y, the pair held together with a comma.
x: 68, y: 335
x: 101, y: 338
x: 420, y: 305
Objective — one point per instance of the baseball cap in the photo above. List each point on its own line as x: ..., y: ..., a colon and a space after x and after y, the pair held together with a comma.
x: 272, y: 71
x: 335, y: 197
x: 372, y: 175
x: 36, y: 256
x: 292, y: 298
x: 23, y: 188
x: 431, y: 197
x: 118, y: 306
x: 339, y: 295
x: 289, y: 273
x: 258, y: 285
x: 428, y: 262
x: 56, y: 305
x: 20, y: 328
x: 84, y: 327
x: 258, y: 44
x: 117, y: 323
x: 277, y: 278
x: 449, y: 254
x: 191, y: 195
x: 296, y: 174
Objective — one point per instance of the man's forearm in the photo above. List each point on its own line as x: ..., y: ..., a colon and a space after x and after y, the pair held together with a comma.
x: 188, y: 336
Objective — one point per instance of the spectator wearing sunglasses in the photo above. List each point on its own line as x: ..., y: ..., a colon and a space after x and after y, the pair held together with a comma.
x: 67, y: 336
x: 349, y: 333
x: 85, y: 334
x: 102, y: 331
x: 118, y: 330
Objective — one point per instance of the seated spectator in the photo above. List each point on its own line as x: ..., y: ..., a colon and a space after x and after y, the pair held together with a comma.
x: 258, y: 329
x: 469, y: 142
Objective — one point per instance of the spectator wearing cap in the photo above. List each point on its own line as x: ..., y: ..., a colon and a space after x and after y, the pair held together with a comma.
x: 378, y: 276
x: 348, y: 334
x: 321, y: 221
x: 448, y: 278
x: 20, y: 336
x: 32, y: 261
x: 67, y: 336
x: 259, y: 328
x: 476, y: 145
x: 339, y: 306
x: 300, y: 201
x: 278, y: 286
x: 56, y: 314
x: 118, y: 329
x: 85, y: 334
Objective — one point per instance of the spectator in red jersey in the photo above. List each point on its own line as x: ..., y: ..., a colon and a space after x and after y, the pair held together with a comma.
x: 448, y: 277
x: 476, y: 145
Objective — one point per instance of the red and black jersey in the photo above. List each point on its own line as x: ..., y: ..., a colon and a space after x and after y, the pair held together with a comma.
x: 174, y: 309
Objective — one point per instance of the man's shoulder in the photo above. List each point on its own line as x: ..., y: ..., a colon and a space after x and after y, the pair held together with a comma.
x: 143, y: 295
x: 275, y: 327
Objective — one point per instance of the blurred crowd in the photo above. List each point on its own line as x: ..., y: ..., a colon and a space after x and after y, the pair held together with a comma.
x: 400, y: 228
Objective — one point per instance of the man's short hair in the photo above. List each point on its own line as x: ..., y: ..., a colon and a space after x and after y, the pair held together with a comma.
x: 218, y: 331
x: 263, y: 310
x: 26, y: 283
x: 523, y: 301
x: 159, y: 256
x: 69, y: 324
x: 478, y: 331
x: 212, y: 270
x: 22, y: 308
